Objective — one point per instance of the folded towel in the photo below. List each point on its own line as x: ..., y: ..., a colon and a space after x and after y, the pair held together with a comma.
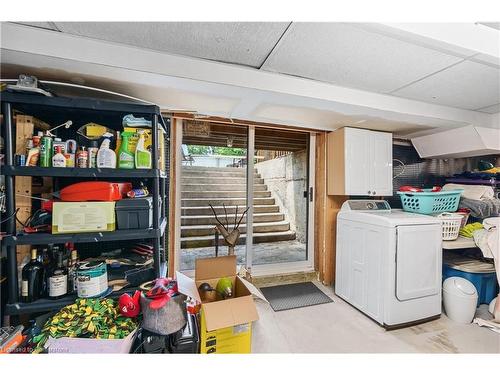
x: 131, y: 120
x: 481, y: 209
x: 476, y: 192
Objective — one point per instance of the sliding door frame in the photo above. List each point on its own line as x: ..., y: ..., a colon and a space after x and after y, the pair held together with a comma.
x: 259, y: 269
x: 284, y: 267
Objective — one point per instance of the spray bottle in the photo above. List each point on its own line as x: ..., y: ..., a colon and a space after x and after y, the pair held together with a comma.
x: 142, y: 155
x: 125, y: 157
x: 106, y: 158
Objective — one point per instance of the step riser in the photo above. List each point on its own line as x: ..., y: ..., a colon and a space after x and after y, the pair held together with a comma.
x: 220, y: 187
x: 189, y: 244
x: 223, y: 194
x: 189, y: 174
x: 190, y: 211
x: 196, y: 232
x: 227, y: 202
x: 219, y: 180
x: 186, y: 168
x: 211, y: 220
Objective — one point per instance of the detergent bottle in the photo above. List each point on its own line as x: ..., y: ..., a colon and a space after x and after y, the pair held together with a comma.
x: 125, y: 157
x: 142, y: 155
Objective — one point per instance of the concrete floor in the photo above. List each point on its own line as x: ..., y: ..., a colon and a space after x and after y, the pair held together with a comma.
x: 339, y: 328
x: 264, y: 253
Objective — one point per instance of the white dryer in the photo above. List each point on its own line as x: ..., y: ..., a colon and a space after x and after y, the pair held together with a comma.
x: 388, y: 263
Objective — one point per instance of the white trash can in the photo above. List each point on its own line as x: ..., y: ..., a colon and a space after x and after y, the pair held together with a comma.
x: 460, y: 299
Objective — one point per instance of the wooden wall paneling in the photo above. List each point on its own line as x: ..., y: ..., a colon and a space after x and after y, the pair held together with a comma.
x: 327, y: 207
x: 174, y: 220
x: 333, y: 205
x: 320, y: 205
x: 22, y: 184
x: 336, y: 162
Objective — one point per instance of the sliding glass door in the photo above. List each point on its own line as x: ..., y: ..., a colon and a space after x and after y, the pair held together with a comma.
x: 251, y: 186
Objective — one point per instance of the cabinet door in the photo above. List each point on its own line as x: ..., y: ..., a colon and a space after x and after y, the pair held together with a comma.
x: 380, y: 163
x: 357, y: 161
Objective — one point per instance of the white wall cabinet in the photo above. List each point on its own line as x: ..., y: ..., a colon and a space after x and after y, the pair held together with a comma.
x: 359, y: 162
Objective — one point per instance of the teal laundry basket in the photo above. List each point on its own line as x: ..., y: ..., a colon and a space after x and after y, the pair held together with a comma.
x: 428, y: 202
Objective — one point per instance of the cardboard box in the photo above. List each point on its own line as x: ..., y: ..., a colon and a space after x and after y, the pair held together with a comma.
x: 225, y: 325
x: 76, y: 345
x: 80, y: 217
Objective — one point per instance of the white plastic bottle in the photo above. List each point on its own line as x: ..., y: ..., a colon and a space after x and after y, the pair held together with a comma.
x: 106, y: 158
x: 58, y: 160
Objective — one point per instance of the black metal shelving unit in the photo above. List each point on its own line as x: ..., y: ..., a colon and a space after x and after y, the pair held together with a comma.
x: 81, y: 111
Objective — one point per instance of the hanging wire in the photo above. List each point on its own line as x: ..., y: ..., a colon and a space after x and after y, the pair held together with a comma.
x: 403, y: 166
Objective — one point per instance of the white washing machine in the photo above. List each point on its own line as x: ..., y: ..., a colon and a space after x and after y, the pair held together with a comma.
x: 388, y: 263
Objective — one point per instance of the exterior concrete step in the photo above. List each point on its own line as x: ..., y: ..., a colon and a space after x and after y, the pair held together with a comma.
x: 187, y: 168
x: 205, y: 210
x: 219, y: 180
x: 207, y: 230
x: 238, y: 173
x: 203, y: 202
x: 224, y: 194
x: 205, y: 241
x: 210, y: 220
x: 220, y: 187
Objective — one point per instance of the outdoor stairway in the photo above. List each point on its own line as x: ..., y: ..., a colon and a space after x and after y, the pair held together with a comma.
x: 218, y: 186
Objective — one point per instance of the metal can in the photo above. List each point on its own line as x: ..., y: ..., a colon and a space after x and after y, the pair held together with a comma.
x: 46, y: 151
x: 136, y: 193
x: 19, y: 160
x: 93, y: 149
x: 70, y: 160
x: 82, y: 158
x: 91, y: 279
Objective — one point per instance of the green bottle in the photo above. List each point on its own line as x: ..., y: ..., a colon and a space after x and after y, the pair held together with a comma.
x: 125, y: 157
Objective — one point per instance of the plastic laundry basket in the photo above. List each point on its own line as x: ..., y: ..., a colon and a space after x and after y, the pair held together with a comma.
x: 459, y: 299
x: 451, y: 225
x: 428, y: 202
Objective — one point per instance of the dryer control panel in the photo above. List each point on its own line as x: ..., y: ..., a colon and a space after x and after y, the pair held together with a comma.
x: 366, y: 205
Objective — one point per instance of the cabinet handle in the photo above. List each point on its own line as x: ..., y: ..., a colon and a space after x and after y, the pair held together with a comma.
x: 374, y: 193
x: 369, y: 192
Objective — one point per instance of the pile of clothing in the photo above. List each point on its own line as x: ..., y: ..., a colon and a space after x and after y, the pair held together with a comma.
x: 481, y: 202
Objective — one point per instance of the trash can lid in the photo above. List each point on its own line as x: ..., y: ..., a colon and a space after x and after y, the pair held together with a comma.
x: 459, y: 286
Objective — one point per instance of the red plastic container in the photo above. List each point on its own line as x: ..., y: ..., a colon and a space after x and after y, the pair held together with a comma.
x: 95, y: 191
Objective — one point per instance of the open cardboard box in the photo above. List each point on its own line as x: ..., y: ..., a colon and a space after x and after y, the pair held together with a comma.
x: 74, y: 345
x: 226, y: 325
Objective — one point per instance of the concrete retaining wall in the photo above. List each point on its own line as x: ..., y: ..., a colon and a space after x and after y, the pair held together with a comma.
x: 286, y: 178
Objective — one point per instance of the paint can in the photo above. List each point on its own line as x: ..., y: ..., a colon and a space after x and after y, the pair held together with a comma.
x: 91, y: 279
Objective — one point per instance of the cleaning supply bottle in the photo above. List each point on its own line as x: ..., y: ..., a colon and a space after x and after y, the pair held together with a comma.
x: 118, y: 142
x: 106, y: 158
x: 58, y: 160
x: 125, y: 157
x: 142, y: 155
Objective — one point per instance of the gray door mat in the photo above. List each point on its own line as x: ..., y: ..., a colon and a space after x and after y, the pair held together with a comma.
x: 292, y: 296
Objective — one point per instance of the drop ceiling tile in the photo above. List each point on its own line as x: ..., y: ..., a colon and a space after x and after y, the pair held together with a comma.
x: 467, y: 85
x: 349, y: 56
x: 491, y: 109
x: 245, y: 43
